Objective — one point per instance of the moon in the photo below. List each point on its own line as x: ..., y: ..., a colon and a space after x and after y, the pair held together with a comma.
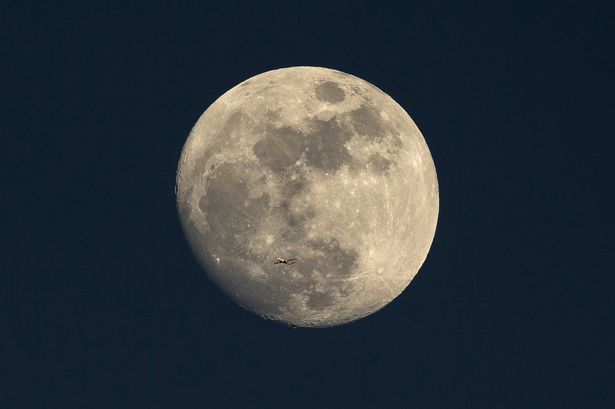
x: 314, y: 164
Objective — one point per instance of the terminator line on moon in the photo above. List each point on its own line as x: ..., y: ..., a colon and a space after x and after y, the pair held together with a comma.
x: 313, y: 164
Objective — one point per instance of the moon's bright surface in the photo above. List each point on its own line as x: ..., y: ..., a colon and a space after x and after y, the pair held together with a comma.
x: 314, y: 164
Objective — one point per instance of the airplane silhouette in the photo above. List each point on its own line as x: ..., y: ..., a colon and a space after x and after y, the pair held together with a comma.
x: 288, y: 261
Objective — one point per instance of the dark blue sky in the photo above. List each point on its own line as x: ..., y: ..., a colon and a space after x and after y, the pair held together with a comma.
x: 105, y: 306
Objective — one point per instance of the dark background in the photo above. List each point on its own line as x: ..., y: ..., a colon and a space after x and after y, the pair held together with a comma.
x: 104, y: 306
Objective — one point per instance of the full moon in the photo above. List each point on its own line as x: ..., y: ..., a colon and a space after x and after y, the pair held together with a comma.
x: 315, y: 165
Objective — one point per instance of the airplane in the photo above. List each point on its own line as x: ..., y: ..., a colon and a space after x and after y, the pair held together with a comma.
x: 288, y: 261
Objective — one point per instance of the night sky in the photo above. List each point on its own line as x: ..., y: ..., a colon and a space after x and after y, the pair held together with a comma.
x: 104, y: 305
